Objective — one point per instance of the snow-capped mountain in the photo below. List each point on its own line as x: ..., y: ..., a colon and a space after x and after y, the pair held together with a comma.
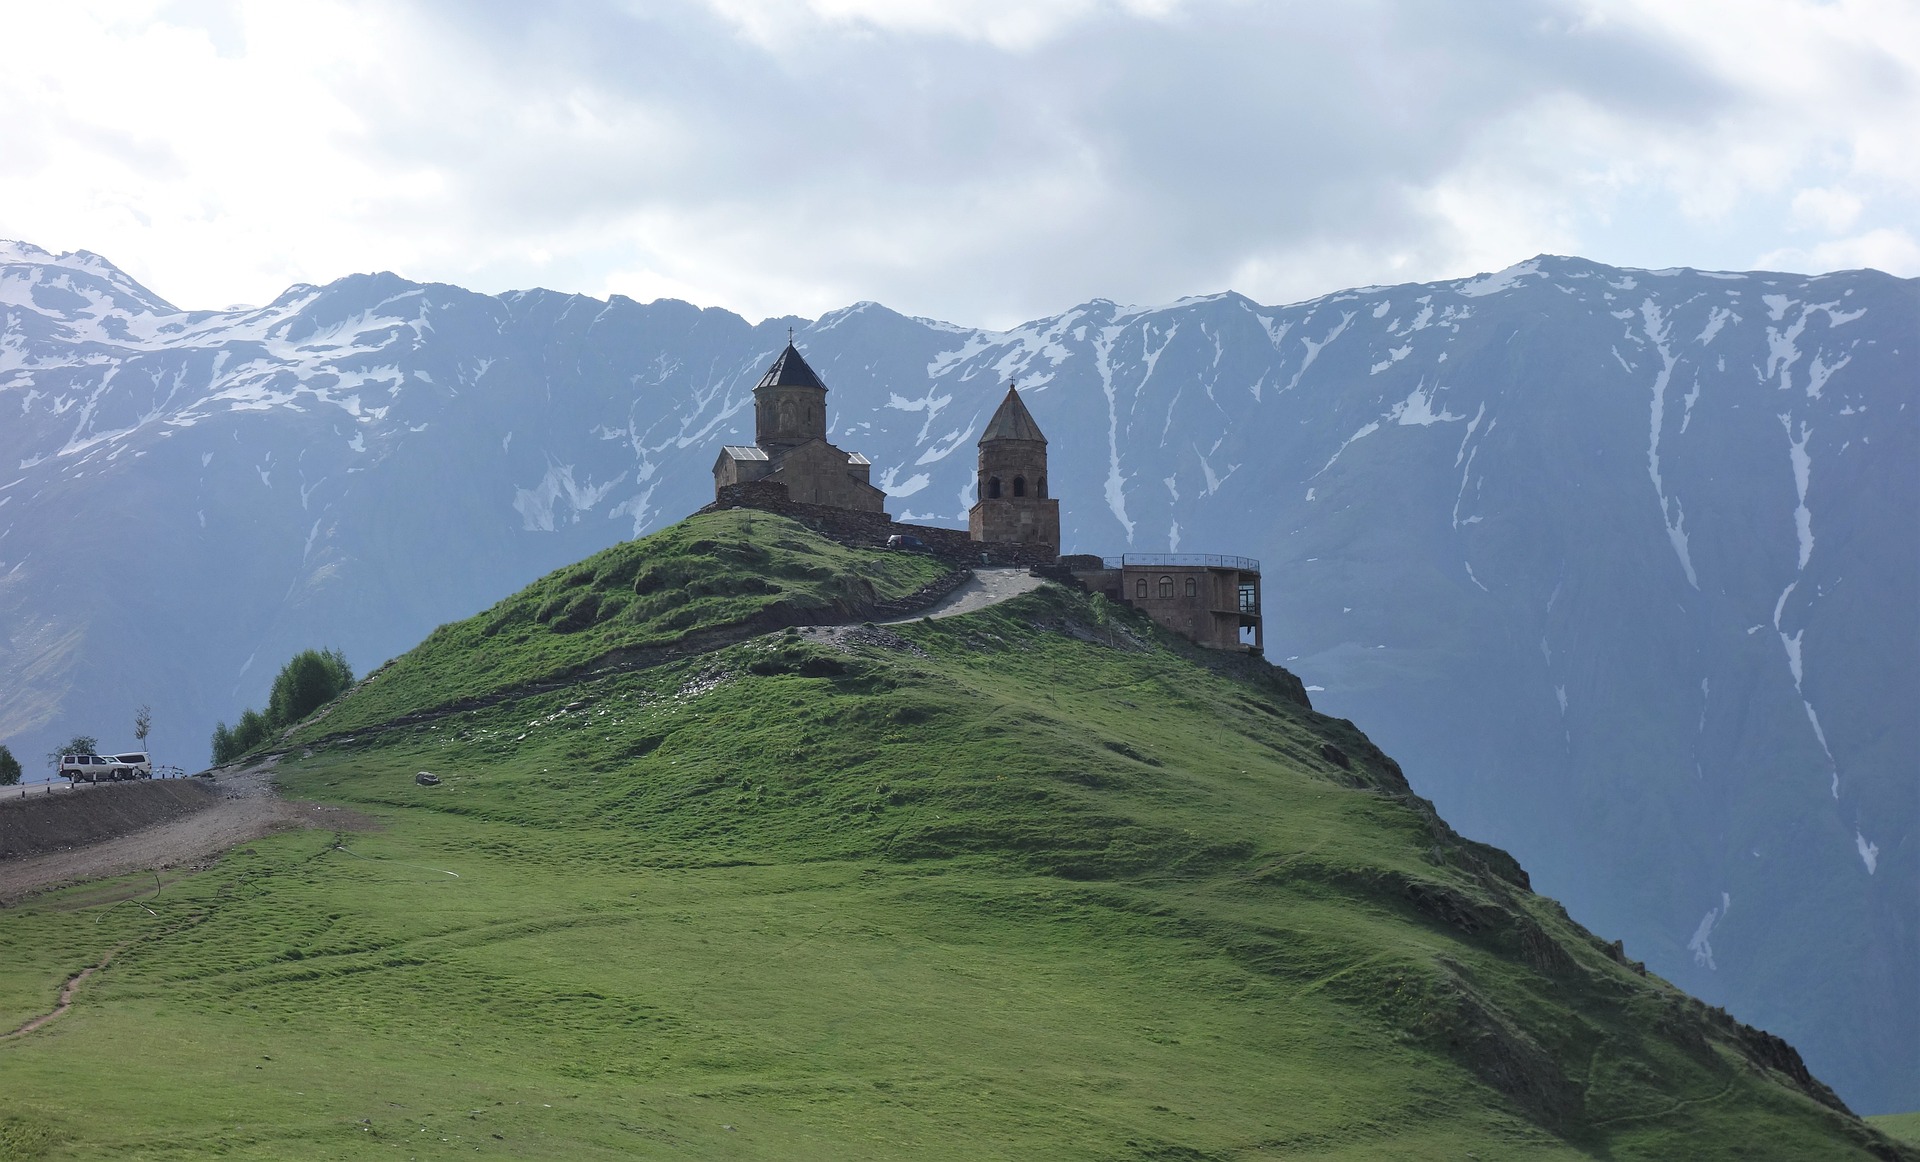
x: 1621, y: 564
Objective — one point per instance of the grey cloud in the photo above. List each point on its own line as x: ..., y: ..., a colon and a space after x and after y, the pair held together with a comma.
x: 1129, y: 157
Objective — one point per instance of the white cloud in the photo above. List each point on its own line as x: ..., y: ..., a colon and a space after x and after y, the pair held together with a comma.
x: 1014, y: 25
x: 1893, y: 251
x: 1832, y: 210
x: 980, y: 160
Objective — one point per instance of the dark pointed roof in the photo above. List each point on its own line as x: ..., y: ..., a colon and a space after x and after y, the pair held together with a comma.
x: 1012, y: 422
x: 789, y: 370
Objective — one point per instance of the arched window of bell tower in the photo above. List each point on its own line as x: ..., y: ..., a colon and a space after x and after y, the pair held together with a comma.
x: 1040, y: 490
x: 993, y: 488
x: 1019, y: 486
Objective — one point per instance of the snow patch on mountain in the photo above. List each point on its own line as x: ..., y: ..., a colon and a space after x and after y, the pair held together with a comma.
x: 558, y: 498
x: 1701, y: 944
x: 1657, y: 328
x: 1500, y: 280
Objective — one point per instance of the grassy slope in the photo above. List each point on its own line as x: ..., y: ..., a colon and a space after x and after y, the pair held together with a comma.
x: 714, y: 570
x: 979, y: 889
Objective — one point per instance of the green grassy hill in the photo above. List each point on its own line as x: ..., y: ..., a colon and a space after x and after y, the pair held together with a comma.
x: 1035, y: 882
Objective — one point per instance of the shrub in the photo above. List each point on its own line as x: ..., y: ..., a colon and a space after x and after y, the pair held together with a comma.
x: 9, y: 768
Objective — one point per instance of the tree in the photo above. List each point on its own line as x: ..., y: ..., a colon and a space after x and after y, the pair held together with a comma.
x: 78, y: 744
x: 9, y: 768
x: 307, y: 682
x: 143, y: 724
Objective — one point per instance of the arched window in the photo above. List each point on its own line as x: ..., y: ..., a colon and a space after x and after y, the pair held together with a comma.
x: 993, y: 488
x: 1193, y: 587
x: 786, y: 415
x: 1041, y: 490
x: 1019, y: 486
x: 1140, y: 588
x: 1166, y: 587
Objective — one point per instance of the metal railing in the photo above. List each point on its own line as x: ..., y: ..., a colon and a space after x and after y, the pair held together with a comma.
x: 1181, y: 560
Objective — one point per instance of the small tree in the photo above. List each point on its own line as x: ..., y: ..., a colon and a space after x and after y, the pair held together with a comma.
x: 78, y: 744
x: 143, y: 724
x: 9, y: 768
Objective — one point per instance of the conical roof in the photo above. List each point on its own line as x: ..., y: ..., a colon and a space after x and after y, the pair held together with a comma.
x: 789, y: 370
x: 1012, y: 422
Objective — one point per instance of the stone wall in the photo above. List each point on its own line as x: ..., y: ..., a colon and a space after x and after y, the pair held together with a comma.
x: 871, y: 529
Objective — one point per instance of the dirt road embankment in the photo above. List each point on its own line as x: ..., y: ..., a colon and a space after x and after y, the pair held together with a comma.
x: 52, y: 840
x: 38, y: 824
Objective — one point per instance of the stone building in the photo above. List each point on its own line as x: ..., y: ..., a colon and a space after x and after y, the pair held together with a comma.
x: 1207, y: 598
x: 790, y: 446
x: 793, y: 469
x: 1013, y: 505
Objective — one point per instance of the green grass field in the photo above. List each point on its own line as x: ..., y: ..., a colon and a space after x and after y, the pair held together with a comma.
x: 1036, y: 882
x: 1904, y: 1127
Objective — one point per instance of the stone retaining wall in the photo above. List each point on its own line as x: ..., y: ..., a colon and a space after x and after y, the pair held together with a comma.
x: 871, y: 529
x: 82, y: 815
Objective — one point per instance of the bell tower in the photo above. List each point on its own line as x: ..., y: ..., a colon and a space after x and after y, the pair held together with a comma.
x: 789, y: 403
x: 1013, y: 504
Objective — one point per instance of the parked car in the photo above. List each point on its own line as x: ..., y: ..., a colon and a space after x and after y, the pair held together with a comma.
x: 132, y: 765
x: 906, y: 541
x: 86, y: 768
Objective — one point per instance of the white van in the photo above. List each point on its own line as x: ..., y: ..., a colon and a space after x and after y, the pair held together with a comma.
x: 132, y: 765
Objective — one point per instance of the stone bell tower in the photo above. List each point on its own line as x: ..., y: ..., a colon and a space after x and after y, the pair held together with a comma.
x: 1013, y: 504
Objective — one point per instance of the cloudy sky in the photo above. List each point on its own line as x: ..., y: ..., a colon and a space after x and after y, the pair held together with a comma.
x: 983, y: 161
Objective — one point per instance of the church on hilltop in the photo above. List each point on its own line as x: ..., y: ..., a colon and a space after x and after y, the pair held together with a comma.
x: 792, y: 467
x: 791, y: 458
x: 790, y: 446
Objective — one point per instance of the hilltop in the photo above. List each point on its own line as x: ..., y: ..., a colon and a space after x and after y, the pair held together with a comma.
x: 1040, y: 880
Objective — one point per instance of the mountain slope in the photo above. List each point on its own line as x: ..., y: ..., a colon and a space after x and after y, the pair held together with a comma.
x: 1619, y: 562
x: 1034, y: 881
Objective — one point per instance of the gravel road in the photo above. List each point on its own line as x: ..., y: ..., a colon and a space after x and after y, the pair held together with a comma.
x: 248, y: 809
x: 986, y: 587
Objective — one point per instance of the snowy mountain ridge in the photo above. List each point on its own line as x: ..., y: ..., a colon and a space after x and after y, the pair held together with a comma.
x: 1611, y: 559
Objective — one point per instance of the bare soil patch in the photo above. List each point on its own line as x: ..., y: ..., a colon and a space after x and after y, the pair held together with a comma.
x: 178, y: 834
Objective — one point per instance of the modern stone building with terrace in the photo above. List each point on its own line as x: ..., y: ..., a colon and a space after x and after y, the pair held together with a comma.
x: 1210, y: 599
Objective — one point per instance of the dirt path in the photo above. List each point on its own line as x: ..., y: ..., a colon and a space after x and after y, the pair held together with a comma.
x: 248, y: 809
x: 67, y: 993
x: 986, y: 587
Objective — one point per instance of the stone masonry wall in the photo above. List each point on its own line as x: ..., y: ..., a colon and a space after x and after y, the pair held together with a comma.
x: 871, y: 529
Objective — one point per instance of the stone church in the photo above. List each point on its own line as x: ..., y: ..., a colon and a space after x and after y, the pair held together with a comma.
x: 790, y: 445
